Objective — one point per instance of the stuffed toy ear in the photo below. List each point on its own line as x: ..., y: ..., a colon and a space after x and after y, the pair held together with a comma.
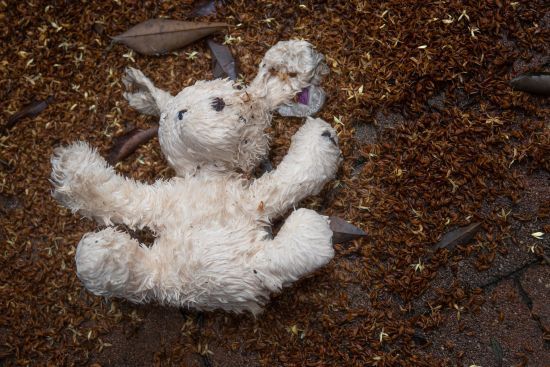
x: 142, y: 94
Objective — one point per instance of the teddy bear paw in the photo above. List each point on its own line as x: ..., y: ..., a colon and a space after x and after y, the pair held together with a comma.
x: 317, y: 136
x: 76, y: 170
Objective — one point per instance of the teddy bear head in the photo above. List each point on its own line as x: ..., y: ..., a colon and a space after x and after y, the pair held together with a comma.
x: 221, y: 124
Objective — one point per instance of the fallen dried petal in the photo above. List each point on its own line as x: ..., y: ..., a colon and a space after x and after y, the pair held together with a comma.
x: 537, y: 235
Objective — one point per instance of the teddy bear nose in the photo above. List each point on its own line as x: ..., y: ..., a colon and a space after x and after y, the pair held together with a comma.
x: 181, y: 113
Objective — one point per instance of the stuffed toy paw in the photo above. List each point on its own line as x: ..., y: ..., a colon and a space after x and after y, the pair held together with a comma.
x: 212, y: 249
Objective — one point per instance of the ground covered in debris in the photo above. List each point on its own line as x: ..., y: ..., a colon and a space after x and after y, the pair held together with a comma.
x: 433, y: 137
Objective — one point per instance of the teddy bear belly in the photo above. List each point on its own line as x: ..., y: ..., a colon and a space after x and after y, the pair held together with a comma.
x: 207, y: 251
x: 198, y: 201
x: 210, y: 267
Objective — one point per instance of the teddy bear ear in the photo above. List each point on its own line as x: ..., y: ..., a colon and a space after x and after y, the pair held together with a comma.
x: 142, y: 94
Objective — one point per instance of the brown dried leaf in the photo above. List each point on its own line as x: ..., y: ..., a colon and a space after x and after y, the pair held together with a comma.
x: 343, y: 231
x: 158, y: 36
x: 536, y: 83
x: 223, y: 63
x: 127, y: 144
x: 458, y: 236
x: 30, y: 110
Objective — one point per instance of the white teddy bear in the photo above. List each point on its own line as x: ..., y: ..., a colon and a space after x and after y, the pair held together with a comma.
x: 212, y: 249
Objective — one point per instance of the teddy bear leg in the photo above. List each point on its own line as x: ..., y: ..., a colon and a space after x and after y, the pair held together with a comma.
x: 312, y: 161
x: 84, y: 182
x: 303, y: 244
x: 111, y: 263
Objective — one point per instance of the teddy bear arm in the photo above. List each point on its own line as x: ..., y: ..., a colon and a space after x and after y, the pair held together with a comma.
x: 84, y: 182
x: 303, y: 244
x: 312, y: 161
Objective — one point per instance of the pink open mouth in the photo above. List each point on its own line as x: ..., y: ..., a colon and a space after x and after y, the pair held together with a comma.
x: 305, y: 103
x: 303, y: 96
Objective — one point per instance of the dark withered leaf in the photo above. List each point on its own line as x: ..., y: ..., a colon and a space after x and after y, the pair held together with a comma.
x: 98, y: 28
x: 458, y: 236
x: 419, y: 338
x: 205, y: 361
x: 329, y: 197
x: 204, y: 7
x: 30, y: 110
x: 223, y: 63
x: 125, y: 145
x: 497, y: 350
x: 158, y: 36
x: 536, y: 83
x: 343, y: 231
x: 6, y: 166
x: 8, y: 203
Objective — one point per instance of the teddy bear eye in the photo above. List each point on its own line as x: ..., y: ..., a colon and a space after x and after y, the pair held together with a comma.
x: 218, y: 104
x: 180, y: 114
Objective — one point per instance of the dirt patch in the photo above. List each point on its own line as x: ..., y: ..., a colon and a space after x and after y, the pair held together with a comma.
x: 142, y: 339
x: 502, y: 333
x: 535, y: 282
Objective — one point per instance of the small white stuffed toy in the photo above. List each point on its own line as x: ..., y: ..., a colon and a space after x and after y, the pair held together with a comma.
x: 212, y: 249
